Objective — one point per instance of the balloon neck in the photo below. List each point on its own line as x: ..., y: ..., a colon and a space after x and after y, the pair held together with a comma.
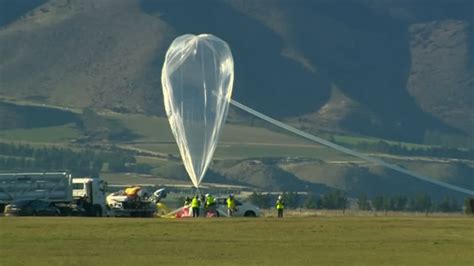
x: 196, y: 185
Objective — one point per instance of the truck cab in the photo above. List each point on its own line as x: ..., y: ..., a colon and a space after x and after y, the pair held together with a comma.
x: 89, y: 194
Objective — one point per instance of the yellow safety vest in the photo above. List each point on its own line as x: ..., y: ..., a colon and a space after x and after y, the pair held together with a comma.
x: 280, y: 205
x: 209, y: 201
x: 195, y: 203
x: 230, y: 203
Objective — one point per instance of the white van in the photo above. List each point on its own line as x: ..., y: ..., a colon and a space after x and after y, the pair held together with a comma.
x: 243, y: 209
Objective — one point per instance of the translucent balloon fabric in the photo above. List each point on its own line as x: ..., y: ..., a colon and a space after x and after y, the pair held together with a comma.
x: 197, y: 80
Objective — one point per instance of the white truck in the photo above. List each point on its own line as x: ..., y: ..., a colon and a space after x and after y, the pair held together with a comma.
x: 73, y: 196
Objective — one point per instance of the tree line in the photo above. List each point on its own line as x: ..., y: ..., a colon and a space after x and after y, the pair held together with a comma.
x: 338, y: 200
x: 398, y: 149
x: 418, y: 203
x: 333, y: 200
x: 21, y: 157
x: 448, y: 139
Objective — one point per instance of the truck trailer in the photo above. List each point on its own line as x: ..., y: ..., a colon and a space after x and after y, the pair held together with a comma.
x: 73, y: 196
x: 76, y: 196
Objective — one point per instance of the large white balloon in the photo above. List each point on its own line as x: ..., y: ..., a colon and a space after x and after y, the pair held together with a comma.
x: 197, y: 80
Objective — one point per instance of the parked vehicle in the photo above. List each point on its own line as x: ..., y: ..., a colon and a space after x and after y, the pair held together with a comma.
x: 35, y: 207
x: 134, y: 201
x: 76, y: 196
x: 242, y: 208
x: 72, y: 196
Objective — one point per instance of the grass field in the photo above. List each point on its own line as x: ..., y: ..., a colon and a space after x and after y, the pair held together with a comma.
x: 54, y: 135
x: 242, y: 141
x: 236, y: 142
x: 157, y: 129
x: 239, y: 151
x: 352, y: 140
x: 261, y: 241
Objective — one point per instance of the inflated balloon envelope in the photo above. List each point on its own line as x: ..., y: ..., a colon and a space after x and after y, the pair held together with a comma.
x: 197, y: 80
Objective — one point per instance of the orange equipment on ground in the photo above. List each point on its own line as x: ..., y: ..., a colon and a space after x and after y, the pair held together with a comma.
x: 132, y: 191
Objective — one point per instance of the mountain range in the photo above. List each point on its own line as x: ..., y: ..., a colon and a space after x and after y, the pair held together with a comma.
x: 394, y: 69
x: 391, y: 69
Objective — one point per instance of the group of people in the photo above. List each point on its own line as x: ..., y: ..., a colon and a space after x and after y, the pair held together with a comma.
x: 209, y: 202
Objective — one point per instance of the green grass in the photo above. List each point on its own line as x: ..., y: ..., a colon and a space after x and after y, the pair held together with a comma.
x: 149, y: 128
x: 352, y: 140
x: 152, y: 161
x: 239, y: 151
x: 57, y: 134
x: 15, y: 157
x: 241, y: 141
x: 261, y: 241
x: 157, y: 129
x: 262, y: 151
x: 249, y: 134
x: 237, y: 141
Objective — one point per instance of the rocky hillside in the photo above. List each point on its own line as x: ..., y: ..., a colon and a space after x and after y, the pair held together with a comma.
x: 394, y: 69
x: 83, y: 53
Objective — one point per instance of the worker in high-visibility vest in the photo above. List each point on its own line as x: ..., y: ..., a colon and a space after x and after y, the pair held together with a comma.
x: 230, y: 205
x: 280, y: 206
x: 195, y: 204
x: 210, y: 205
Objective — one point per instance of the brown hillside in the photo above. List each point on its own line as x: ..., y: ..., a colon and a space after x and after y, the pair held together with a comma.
x: 83, y: 53
x: 441, y: 69
x: 402, y: 68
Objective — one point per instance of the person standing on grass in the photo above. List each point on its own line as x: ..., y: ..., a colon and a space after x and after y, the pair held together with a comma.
x: 195, y: 204
x: 210, y: 205
x: 280, y: 205
x: 230, y: 205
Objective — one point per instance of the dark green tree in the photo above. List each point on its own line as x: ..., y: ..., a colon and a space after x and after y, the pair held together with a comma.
x: 261, y: 200
x: 312, y: 201
x: 400, y: 203
x: 423, y: 202
x: 388, y: 203
x: 335, y: 199
x: 291, y: 200
x: 469, y: 206
x: 378, y: 203
x: 448, y: 204
x: 363, y: 203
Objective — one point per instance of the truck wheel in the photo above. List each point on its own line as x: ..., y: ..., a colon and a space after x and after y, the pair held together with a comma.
x: 65, y: 212
x: 249, y: 214
x: 97, y: 211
